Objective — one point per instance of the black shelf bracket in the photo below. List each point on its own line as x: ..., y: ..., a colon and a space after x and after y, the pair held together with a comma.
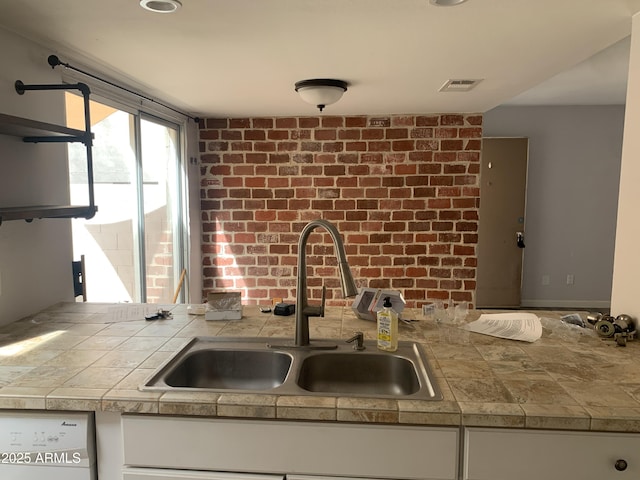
x: 85, y: 137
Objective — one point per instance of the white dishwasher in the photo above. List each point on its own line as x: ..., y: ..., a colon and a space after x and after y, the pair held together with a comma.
x: 47, y: 445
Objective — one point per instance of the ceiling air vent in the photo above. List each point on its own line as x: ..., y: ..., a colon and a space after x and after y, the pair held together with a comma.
x: 459, y: 85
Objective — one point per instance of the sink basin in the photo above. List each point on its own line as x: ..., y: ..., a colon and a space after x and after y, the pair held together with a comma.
x: 230, y: 369
x: 251, y: 365
x: 363, y: 373
x: 222, y: 364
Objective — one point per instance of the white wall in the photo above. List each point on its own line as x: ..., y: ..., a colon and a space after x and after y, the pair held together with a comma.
x: 625, y: 296
x: 572, y: 193
x: 35, y: 258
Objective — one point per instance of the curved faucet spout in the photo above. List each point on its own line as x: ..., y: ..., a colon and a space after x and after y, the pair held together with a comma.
x: 303, y: 309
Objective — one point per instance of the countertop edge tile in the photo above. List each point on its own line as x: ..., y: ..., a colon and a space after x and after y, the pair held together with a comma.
x: 428, y: 412
x: 246, y: 405
x: 367, y: 410
x: 556, y: 417
x: 504, y: 415
x: 28, y: 398
x: 130, y: 401
x: 302, y: 407
x: 75, y: 399
x: 189, y: 403
x: 615, y: 419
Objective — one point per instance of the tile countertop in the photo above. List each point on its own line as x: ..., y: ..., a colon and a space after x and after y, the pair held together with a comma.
x: 92, y: 357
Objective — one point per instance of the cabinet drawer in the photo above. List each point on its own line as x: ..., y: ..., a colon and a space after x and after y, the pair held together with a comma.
x: 290, y: 447
x: 497, y: 454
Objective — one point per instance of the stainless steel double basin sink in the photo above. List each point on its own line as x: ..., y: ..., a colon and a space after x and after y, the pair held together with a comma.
x: 252, y: 365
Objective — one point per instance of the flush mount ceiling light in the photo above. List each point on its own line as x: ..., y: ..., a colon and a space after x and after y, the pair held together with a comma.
x: 446, y: 3
x: 161, y: 6
x: 321, y: 91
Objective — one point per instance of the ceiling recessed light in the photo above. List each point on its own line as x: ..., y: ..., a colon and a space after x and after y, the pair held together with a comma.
x: 446, y: 3
x: 161, y: 6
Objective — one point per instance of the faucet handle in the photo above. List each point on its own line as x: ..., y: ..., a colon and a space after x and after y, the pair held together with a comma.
x: 317, y: 310
x: 324, y: 297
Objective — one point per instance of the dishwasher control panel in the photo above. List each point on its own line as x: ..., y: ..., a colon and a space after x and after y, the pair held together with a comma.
x: 47, y: 438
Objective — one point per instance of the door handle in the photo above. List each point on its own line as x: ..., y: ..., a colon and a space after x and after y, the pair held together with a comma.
x: 520, y: 239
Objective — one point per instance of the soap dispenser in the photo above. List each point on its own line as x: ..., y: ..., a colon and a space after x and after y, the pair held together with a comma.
x: 387, y: 327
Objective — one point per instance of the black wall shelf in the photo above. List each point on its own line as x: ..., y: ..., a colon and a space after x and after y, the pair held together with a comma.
x: 32, y: 131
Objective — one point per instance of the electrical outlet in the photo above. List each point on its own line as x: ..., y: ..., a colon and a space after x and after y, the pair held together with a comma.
x: 546, y: 280
x: 570, y: 279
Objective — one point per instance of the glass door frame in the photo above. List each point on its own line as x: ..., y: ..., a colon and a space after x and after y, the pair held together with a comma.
x: 178, y: 208
x: 179, y: 205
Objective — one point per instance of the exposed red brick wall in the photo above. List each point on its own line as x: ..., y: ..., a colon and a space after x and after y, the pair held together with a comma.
x: 403, y: 190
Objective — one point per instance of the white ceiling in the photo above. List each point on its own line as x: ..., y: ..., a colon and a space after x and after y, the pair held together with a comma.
x: 242, y: 57
x: 599, y: 80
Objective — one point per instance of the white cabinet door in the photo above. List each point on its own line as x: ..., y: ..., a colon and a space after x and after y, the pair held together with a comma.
x: 291, y: 448
x: 501, y: 454
x: 158, y: 474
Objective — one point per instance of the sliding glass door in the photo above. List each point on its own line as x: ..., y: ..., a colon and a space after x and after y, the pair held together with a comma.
x: 161, y: 203
x: 133, y: 246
